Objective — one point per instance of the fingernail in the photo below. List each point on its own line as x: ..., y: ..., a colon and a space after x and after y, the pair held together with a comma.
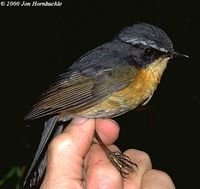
x: 79, y: 120
x: 115, y: 123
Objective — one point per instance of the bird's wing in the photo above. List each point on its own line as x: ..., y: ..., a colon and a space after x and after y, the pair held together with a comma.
x: 84, y: 86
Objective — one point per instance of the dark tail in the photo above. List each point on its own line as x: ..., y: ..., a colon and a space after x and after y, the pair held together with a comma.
x: 36, y: 172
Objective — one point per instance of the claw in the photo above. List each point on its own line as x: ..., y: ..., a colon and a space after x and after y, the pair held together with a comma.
x: 122, y: 163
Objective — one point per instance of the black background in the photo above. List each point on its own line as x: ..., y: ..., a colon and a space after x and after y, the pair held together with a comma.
x: 38, y: 43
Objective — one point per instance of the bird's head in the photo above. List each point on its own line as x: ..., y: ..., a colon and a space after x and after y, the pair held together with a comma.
x: 149, y: 43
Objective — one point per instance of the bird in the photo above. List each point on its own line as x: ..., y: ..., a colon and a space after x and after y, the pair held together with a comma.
x: 112, y: 79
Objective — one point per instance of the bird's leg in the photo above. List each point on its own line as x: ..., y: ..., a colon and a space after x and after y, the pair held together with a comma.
x: 118, y: 159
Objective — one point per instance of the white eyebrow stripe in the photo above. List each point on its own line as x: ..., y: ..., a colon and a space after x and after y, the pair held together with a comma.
x: 150, y: 43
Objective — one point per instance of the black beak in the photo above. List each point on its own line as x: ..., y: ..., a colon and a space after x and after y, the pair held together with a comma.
x: 176, y: 54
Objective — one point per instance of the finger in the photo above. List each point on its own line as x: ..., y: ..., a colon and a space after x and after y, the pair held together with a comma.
x: 100, y: 172
x: 66, y: 153
x: 143, y: 162
x: 155, y: 179
x: 108, y: 130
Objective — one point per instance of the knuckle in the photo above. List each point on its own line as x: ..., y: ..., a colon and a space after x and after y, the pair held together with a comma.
x: 159, y: 174
x: 140, y: 158
x: 108, y: 177
x: 161, y: 177
x: 145, y: 157
x: 59, y: 143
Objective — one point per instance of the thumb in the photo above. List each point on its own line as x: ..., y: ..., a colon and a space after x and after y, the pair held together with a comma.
x: 66, y: 153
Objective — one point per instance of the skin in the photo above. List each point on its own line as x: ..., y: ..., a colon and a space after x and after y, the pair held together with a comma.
x: 74, y: 163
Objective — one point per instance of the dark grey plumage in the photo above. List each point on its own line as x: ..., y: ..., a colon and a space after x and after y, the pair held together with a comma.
x: 147, y: 35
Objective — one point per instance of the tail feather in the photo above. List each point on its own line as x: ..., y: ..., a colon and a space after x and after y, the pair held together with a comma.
x: 36, y: 172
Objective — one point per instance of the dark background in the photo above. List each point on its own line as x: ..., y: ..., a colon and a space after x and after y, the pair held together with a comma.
x: 39, y: 43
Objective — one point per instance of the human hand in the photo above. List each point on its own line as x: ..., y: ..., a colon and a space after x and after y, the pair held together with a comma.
x: 74, y: 163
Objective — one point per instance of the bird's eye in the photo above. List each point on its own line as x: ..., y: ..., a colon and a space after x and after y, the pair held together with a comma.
x: 148, y: 52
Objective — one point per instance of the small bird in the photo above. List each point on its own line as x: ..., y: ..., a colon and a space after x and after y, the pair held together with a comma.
x: 108, y: 81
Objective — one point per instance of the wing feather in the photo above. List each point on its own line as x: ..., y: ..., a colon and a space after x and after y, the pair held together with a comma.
x: 91, y: 79
x: 66, y: 94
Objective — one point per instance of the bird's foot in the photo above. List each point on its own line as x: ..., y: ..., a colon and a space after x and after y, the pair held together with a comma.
x: 122, y: 163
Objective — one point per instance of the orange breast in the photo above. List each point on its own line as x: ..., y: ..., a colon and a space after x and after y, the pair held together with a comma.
x: 142, y: 86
